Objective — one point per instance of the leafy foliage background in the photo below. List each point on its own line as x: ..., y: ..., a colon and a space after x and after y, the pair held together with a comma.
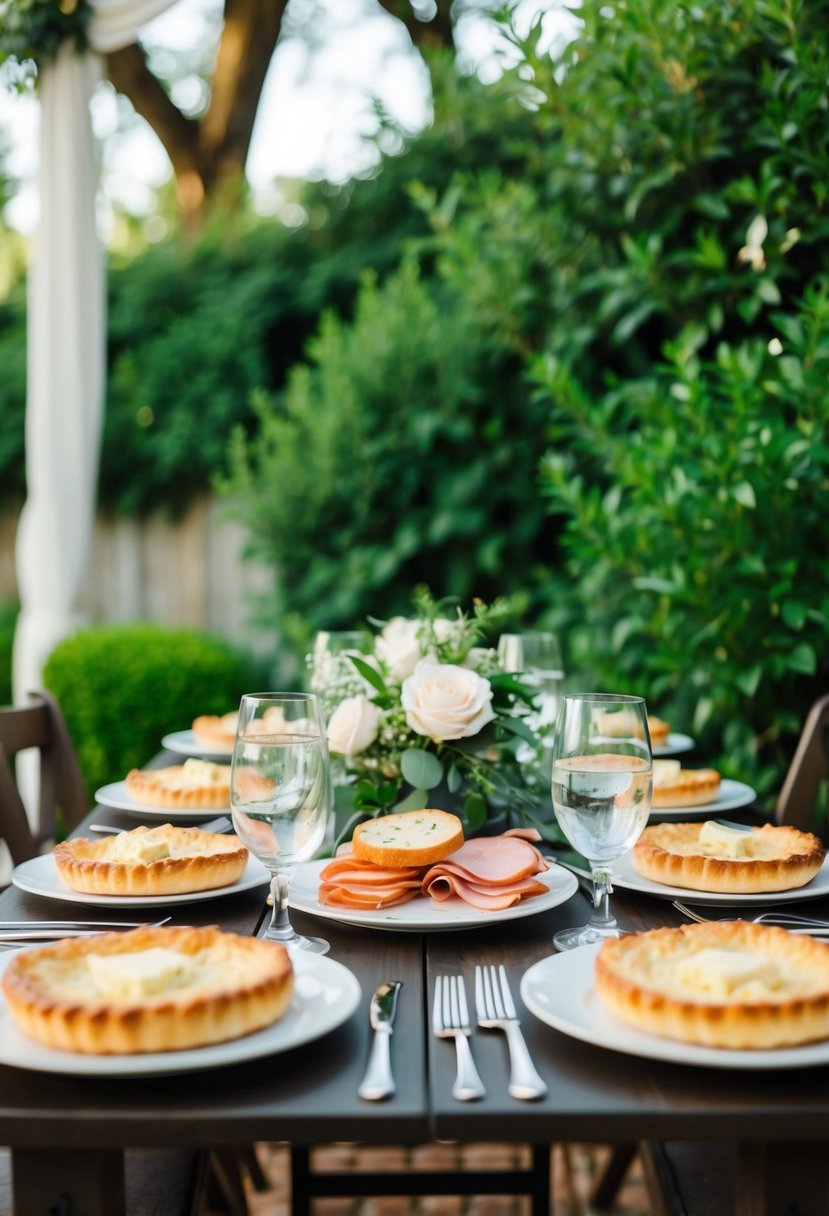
x: 570, y: 345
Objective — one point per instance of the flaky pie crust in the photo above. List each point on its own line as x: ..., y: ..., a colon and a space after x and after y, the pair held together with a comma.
x: 692, y: 787
x: 216, y: 730
x: 196, y: 861
x: 635, y: 978
x: 199, y: 785
x: 243, y: 984
x: 780, y: 859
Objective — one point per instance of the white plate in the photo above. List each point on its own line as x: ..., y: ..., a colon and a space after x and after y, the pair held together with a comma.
x: 559, y: 991
x: 117, y: 796
x: 184, y: 742
x: 40, y: 876
x: 326, y: 995
x: 673, y: 745
x: 625, y: 875
x: 730, y: 795
x: 423, y: 913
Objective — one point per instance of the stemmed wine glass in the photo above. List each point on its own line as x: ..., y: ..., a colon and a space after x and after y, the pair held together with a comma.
x: 280, y: 794
x: 537, y: 656
x: 602, y: 781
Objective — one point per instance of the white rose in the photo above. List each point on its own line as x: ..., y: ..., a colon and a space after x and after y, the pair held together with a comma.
x: 443, y: 701
x: 353, y: 726
x: 398, y: 647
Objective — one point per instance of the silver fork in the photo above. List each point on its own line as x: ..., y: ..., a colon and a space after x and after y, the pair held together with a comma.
x: 222, y: 824
x: 496, y: 1011
x: 811, y: 925
x: 450, y: 1020
x: 54, y: 930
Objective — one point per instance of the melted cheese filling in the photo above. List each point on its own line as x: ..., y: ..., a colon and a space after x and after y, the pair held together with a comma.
x: 723, y: 975
x: 716, y: 840
x: 142, y: 975
x: 665, y: 772
x: 193, y: 774
x: 144, y: 846
x: 139, y: 848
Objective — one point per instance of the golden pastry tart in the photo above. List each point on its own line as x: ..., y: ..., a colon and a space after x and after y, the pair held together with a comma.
x: 710, y: 856
x: 194, y: 785
x: 674, y: 786
x: 220, y: 731
x: 216, y: 730
x: 623, y: 723
x: 161, y: 989
x: 163, y: 860
x: 728, y: 984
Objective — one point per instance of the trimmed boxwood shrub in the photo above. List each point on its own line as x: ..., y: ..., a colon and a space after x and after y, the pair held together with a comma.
x: 8, y: 617
x: 122, y: 687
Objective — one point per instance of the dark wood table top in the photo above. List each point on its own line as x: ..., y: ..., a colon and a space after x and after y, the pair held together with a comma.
x: 309, y: 1095
x: 595, y: 1093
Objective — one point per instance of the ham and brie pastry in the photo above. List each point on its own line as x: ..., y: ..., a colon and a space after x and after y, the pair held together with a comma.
x: 674, y: 786
x: 737, y: 860
x: 163, y: 860
x: 194, y: 785
x: 150, y: 989
x: 730, y: 984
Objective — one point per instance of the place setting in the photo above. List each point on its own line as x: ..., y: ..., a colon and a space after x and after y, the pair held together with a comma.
x: 280, y: 989
x: 729, y: 993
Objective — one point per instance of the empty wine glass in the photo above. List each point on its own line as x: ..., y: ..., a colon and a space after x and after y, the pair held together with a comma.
x: 602, y: 779
x: 280, y: 794
x: 537, y: 656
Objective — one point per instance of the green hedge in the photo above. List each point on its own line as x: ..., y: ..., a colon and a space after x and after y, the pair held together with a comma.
x: 8, y: 620
x: 122, y: 687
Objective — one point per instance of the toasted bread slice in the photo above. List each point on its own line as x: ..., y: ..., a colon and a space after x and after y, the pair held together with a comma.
x: 411, y: 838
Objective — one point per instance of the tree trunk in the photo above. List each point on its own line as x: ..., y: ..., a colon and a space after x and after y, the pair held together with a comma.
x: 208, y: 154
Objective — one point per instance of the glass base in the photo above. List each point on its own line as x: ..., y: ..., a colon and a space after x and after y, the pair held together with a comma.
x: 313, y: 945
x: 587, y: 935
x: 296, y: 942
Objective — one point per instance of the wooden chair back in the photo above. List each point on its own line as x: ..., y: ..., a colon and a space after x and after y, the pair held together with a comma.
x: 39, y: 724
x: 799, y: 801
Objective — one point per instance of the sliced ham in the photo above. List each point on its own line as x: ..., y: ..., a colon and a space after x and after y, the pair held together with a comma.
x: 495, y: 860
x: 350, y: 870
x: 490, y: 872
x: 370, y: 897
x: 492, y: 899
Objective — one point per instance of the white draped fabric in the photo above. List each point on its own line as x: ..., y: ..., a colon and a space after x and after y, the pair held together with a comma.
x: 66, y: 343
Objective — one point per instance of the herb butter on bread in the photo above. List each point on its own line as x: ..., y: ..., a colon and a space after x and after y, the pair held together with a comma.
x: 410, y: 838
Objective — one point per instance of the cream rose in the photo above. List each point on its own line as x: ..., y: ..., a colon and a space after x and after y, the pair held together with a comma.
x: 443, y: 701
x: 353, y: 726
x: 398, y: 646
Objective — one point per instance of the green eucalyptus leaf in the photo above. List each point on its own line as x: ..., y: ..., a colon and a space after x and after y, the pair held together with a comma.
x: 474, y: 811
x: 416, y: 800
x: 454, y: 779
x: 420, y: 768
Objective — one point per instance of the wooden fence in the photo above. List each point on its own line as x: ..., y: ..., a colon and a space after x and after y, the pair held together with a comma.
x: 186, y: 572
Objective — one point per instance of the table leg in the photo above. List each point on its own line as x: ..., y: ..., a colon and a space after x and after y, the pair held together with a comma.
x: 776, y: 1179
x: 68, y: 1182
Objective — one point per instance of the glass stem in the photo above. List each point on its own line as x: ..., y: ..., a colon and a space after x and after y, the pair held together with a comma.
x: 602, y: 917
x: 280, y: 926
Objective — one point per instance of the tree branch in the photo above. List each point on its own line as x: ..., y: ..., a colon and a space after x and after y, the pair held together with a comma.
x: 439, y: 31
x: 128, y: 71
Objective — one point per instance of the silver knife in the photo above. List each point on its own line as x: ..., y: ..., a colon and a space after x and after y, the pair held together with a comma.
x: 378, y: 1081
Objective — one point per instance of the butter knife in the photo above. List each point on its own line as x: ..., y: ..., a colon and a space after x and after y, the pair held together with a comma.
x: 378, y: 1081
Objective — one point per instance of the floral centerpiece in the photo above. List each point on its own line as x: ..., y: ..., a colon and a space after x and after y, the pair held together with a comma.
x: 425, y: 715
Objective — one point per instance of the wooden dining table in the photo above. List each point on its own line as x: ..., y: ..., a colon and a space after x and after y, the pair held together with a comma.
x: 67, y: 1134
